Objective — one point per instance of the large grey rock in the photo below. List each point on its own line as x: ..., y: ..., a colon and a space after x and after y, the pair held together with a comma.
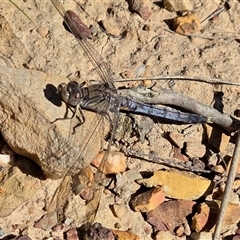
x: 28, y: 105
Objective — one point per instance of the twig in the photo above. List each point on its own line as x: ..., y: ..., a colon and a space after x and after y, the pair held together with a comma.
x: 167, y: 162
x: 228, y: 188
x: 168, y: 97
x: 197, y: 79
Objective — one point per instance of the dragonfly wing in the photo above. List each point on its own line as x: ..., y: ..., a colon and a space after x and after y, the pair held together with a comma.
x: 81, y: 32
x: 93, y: 204
x: 60, y: 197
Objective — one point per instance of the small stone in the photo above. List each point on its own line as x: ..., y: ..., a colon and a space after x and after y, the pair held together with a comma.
x: 171, y: 215
x: 237, y: 237
x: 178, y: 5
x: 177, y: 154
x: 195, y: 150
x: 201, y: 236
x: 238, y: 231
x: 217, y: 138
x: 164, y: 235
x: 187, y: 24
x: 123, y: 235
x: 43, y: 31
x: 72, y: 234
x: 148, y: 200
x: 97, y: 231
x: 179, y: 185
x: 5, y: 159
x: 115, y: 163
x: 218, y: 169
x: 47, y: 221
x: 119, y: 210
x: 117, y: 225
x: 205, y: 218
x: 177, y: 138
x: 139, y: 6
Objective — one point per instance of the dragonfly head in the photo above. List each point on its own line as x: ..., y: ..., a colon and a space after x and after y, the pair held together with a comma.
x: 71, y: 93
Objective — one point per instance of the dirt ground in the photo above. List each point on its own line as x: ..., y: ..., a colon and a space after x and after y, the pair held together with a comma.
x: 127, y: 42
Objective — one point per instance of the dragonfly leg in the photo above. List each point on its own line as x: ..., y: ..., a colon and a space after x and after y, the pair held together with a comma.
x: 81, y: 118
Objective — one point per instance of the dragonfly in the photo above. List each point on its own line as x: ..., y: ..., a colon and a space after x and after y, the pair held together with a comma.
x: 103, y: 99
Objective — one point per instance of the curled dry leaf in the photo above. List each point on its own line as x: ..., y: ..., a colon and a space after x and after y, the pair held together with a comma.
x: 115, y: 163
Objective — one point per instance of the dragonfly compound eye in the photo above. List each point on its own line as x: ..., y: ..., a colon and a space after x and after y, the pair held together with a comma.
x: 65, y: 93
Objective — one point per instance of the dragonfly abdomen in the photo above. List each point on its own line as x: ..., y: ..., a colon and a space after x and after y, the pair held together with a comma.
x: 161, y: 112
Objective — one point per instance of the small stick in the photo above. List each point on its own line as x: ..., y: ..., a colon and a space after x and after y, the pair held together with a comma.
x: 197, y: 79
x: 228, y: 188
x: 167, y: 97
x: 166, y: 162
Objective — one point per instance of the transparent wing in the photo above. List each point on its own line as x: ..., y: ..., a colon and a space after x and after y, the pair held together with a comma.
x: 81, y: 32
x: 60, y: 197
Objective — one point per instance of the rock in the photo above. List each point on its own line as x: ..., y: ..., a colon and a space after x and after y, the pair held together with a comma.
x: 47, y: 221
x: 201, y: 236
x: 217, y: 138
x: 177, y: 138
x: 194, y: 150
x: 125, y: 183
x: 123, y: 235
x: 115, y: 163
x: 43, y: 31
x: 164, y: 235
x: 148, y: 200
x: 5, y: 159
x: 139, y: 6
x: 83, y: 180
x: 238, y: 231
x: 187, y: 24
x: 177, y: 154
x: 171, y: 215
x: 119, y: 210
x: 72, y: 234
x: 30, y: 132
x: 17, y: 187
x: 179, y: 185
x: 205, y: 218
x: 236, y: 237
x: 178, y: 6
x: 97, y: 231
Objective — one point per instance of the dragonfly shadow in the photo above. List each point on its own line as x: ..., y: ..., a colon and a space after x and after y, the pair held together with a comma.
x: 52, y: 95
